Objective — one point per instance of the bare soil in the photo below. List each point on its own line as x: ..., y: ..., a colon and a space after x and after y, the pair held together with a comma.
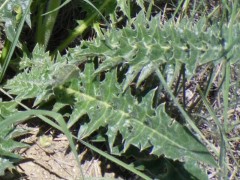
x: 49, y: 158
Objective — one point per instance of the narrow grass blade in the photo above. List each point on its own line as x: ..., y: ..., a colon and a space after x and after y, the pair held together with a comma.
x: 225, y: 90
x: 84, y: 25
x: 99, y: 12
x: 3, y: 4
x: 50, y: 20
x: 224, y: 146
x: 58, y: 8
x: 115, y: 160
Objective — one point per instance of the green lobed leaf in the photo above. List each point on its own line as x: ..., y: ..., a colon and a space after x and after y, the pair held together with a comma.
x: 39, y: 76
x: 141, y: 47
x: 7, y: 108
x: 9, y: 145
x: 138, y: 123
x: 151, y: 42
x: 5, y: 164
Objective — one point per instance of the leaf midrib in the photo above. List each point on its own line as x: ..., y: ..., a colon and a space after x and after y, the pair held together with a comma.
x: 107, y: 105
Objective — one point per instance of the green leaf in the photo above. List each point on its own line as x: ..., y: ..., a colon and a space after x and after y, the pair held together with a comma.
x: 5, y: 164
x: 40, y: 75
x: 7, y: 144
x: 193, y: 168
x: 11, y: 15
x: 163, y: 168
x: 138, y: 123
x: 7, y: 108
x: 9, y: 48
x: 144, y: 43
x: 62, y: 73
x: 39, y: 59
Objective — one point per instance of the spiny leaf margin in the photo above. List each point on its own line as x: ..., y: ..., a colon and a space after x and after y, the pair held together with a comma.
x: 145, y: 44
x: 138, y: 123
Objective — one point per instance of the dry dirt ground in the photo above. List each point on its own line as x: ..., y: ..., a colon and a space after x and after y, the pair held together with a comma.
x: 50, y: 158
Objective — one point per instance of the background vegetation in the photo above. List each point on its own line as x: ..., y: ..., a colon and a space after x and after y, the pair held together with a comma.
x: 156, y: 83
